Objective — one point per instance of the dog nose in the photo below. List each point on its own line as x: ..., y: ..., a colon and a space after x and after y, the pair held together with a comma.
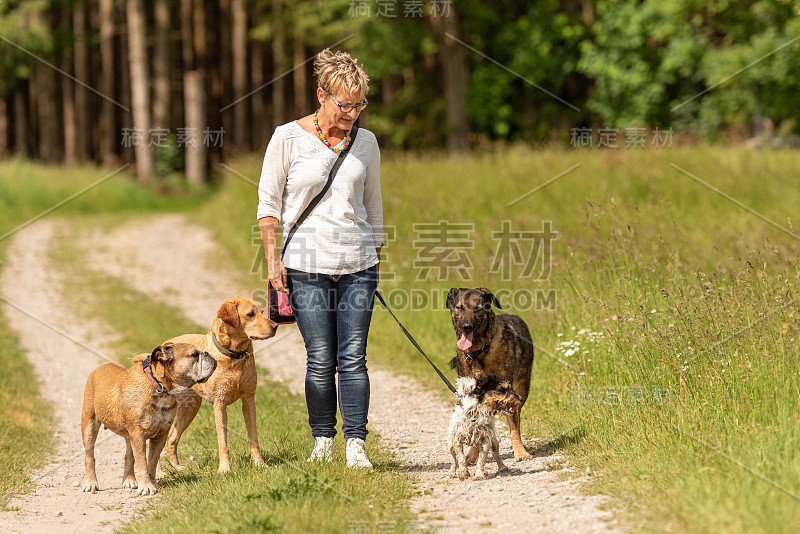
x: 467, y: 326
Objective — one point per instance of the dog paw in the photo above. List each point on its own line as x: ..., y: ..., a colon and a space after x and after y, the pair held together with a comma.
x: 148, y: 488
x: 462, y: 474
x: 480, y: 475
x: 90, y: 486
x: 129, y: 483
x: 224, y: 469
x: 523, y: 456
x: 259, y: 461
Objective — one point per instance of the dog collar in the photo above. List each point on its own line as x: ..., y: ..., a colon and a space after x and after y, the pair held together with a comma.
x: 235, y: 354
x: 476, y: 352
x: 159, y: 387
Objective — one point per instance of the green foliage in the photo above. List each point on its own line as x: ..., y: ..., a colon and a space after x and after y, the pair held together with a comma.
x: 652, y: 63
x: 702, y: 67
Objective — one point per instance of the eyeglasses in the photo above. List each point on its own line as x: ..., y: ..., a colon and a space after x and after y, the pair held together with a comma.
x: 347, y: 108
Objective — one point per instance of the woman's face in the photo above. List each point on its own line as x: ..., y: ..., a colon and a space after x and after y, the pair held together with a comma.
x: 330, y: 104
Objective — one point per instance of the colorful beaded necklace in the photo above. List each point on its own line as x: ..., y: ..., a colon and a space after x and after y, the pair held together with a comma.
x: 325, y: 139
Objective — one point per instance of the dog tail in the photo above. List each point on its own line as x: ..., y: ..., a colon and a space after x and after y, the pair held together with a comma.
x: 454, y: 362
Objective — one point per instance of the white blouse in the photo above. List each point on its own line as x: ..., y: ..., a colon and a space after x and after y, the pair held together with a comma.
x: 340, y: 235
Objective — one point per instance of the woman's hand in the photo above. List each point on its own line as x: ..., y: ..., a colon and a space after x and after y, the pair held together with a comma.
x: 277, y: 276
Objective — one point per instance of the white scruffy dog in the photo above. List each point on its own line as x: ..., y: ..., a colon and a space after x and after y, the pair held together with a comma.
x: 472, y: 422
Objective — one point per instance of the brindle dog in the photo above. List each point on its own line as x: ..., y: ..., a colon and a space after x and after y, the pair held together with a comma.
x: 490, y: 344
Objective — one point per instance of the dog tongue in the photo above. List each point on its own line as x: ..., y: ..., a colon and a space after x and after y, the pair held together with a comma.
x: 465, y: 341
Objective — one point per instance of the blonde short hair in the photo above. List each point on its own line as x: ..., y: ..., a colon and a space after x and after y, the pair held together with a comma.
x: 337, y: 71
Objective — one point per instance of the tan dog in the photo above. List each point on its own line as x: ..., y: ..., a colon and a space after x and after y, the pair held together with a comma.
x: 489, y: 344
x: 239, y: 321
x: 139, y: 403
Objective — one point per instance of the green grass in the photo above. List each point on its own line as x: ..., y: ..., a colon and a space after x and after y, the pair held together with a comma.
x: 686, y: 408
x: 25, y: 427
x: 287, y: 494
x: 27, y: 191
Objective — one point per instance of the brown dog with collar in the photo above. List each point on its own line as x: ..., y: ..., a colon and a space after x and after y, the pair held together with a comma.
x: 490, y: 344
x: 139, y: 403
x: 238, y: 322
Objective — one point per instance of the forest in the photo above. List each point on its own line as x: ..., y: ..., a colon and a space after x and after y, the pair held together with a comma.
x: 182, y: 84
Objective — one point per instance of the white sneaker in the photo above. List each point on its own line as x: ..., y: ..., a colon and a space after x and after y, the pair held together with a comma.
x: 323, y: 450
x: 356, y: 454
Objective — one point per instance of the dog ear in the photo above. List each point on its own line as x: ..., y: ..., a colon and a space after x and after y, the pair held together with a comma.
x: 229, y: 313
x: 487, y: 382
x: 488, y: 294
x: 480, y: 383
x: 162, y: 353
x: 452, y: 296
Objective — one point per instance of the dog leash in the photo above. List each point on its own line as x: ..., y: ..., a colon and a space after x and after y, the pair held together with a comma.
x: 414, y: 342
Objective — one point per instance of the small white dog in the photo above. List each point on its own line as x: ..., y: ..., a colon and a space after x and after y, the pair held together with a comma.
x: 472, y: 422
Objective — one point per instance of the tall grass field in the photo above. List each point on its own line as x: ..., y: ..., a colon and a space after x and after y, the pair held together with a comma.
x: 660, y: 287
x: 664, y: 312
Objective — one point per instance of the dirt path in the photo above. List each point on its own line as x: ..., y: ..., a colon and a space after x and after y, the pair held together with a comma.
x: 32, y: 283
x: 410, y: 419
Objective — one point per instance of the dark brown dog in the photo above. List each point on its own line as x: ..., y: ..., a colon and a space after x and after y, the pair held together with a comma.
x: 490, y: 344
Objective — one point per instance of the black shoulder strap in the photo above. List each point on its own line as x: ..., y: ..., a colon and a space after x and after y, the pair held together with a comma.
x: 316, y: 200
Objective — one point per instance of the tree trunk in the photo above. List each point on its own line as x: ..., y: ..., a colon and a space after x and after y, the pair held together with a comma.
x: 455, y: 75
x: 49, y: 131
x: 83, y: 119
x: 278, y: 64
x: 187, y: 44
x: 21, y: 119
x: 300, y: 74
x: 259, y: 122
x: 108, y: 60
x: 162, y: 90
x: 194, y: 99
x: 4, y: 122
x: 241, y: 110
x: 68, y: 89
x: 199, y: 33
x: 140, y: 98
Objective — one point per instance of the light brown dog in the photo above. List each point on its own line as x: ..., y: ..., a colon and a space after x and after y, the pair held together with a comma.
x: 489, y: 344
x: 139, y: 403
x: 239, y: 321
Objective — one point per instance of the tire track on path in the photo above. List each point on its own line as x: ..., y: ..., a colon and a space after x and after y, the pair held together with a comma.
x: 33, y: 283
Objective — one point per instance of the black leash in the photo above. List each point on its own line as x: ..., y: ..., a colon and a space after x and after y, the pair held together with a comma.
x: 414, y: 342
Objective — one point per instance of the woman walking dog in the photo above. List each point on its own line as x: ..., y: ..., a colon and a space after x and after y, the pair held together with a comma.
x: 330, y: 267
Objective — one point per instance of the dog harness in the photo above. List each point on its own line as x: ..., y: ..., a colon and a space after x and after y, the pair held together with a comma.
x: 159, y: 387
x: 235, y: 354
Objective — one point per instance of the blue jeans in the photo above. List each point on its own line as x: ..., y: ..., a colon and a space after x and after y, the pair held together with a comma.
x: 333, y: 314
